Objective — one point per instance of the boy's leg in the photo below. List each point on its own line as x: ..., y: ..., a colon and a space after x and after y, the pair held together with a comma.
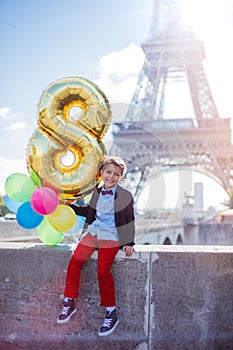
x: 106, y: 257
x: 81, y: 254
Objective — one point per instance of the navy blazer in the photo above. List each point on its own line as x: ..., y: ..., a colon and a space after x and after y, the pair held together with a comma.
x: 123, y: 211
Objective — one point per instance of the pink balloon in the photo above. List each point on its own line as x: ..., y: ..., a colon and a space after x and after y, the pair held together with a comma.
x: 44, y: 200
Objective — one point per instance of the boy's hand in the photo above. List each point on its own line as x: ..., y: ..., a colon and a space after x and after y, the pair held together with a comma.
x: 128, y: 249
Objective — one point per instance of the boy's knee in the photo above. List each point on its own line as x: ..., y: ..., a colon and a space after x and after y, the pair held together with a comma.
x: 77, y: 261
x: 103, y: 271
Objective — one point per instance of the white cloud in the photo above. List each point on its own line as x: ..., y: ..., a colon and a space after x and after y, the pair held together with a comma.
x: 122, y: 63
x: 18, y: 126
x: 4, y: 112
x: 119, y: 73
x: 8, y: 116
x: 8, y: 167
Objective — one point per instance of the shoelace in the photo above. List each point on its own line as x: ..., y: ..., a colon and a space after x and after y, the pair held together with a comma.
x: 65, y: 310
x: 107, y: 322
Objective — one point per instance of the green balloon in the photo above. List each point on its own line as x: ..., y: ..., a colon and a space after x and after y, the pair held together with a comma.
x: 19, y: 187
x: 48, y: 234
x: 34, y: 177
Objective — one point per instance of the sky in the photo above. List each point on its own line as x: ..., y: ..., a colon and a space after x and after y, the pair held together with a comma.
x: 43, y: 41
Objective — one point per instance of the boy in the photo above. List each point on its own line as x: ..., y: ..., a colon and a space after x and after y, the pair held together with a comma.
x: 109, y: 226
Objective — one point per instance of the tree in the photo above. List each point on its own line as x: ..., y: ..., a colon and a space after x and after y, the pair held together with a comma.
x: 3, y: 209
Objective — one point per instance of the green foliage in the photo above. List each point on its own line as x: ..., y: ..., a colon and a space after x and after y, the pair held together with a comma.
x: 231, y: 202
x: 2, y: 201
x: 3, y: 209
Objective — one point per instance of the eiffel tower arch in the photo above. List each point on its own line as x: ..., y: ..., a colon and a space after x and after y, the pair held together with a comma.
x: 154, y: 138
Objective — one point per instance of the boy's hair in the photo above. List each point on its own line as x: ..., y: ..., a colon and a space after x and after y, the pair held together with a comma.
x: 116, y: 161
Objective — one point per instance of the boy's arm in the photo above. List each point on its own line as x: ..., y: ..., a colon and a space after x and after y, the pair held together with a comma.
x: 127, y: 230
x: 131, y: 223
x: 129, y: 250
x: 82, y: 210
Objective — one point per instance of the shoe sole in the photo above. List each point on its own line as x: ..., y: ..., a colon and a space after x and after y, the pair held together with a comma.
x: 68, y: 318
x: 110, y: 331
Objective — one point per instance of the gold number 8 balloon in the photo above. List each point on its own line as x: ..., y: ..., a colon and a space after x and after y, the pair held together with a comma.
x: 66, y: 151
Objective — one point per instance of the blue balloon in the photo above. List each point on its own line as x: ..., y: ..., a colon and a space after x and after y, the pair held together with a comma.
x: 12, y: 205
x: 80, y: 221
x: 27, y: 217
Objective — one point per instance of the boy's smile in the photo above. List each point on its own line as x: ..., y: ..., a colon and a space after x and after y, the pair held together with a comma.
x: 111, y: 175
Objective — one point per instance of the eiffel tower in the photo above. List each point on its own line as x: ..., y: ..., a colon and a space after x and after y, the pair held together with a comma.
x: 153, y: 140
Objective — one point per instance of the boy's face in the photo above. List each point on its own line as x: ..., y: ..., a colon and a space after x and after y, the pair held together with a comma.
x: 111, y: 175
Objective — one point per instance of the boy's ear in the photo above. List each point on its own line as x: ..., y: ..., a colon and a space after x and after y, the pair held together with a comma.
x: 121, y: 178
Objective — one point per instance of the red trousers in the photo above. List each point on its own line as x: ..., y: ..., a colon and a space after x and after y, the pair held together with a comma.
x: 107, y: 251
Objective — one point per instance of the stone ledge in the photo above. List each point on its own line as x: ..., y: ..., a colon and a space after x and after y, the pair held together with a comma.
x: 182, y: 300
x: 138, y: 248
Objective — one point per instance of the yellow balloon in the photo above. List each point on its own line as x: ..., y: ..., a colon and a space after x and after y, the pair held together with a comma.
x: 63, y: 218
x: 66, y: 149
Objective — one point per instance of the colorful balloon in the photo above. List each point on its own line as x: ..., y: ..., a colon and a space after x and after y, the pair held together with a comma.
x: 34, y: 177
x: 44, y: 200
x: 66, y: 150
x: 27, y: 217
x: 12, y: 205
x: 47, y: 184
x: 48, y: 234
x: 63, y: 218
x: 19, y: 187
x: 78, y: 226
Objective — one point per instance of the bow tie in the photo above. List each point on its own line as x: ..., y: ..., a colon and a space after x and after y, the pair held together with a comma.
x: 106, y: 192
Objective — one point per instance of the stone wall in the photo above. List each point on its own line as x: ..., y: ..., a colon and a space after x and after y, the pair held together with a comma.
x: 216, y: 234
x: 169, y: 297
x: 147, y: 232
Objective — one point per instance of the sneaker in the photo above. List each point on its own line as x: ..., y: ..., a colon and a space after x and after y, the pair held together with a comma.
x: 110, y: 322
x: 67, y: 311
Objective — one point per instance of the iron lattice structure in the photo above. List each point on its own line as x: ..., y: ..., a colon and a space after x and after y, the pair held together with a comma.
x: 152, y: 143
